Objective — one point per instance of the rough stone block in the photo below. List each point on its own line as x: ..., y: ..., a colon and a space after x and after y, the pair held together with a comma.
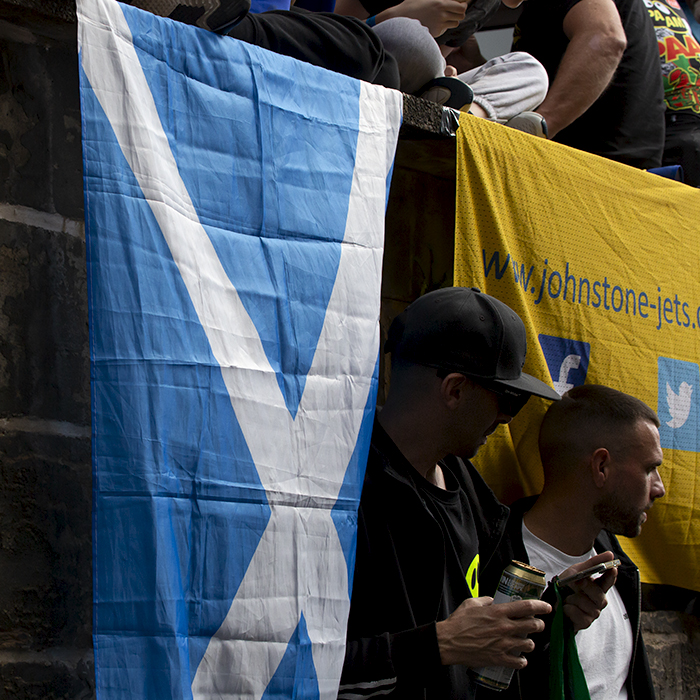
x: 44, y: 362
x: 673, y: 645
x: 45, y: 541
x: 51, y: 679
x: 55, y: 9
x: 40, y: 150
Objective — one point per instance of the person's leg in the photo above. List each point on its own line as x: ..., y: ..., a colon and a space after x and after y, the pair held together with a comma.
x: 508, y: 85
x: 416, y: 52
x: 421, y: 63
x: 683, y: 146
x: 341, y: 44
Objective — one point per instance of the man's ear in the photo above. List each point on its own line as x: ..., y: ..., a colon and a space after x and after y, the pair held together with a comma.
x: 453, y: 388
x: 600, y: 466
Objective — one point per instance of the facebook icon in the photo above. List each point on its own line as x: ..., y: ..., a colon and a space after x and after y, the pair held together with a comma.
x: 567, y: 361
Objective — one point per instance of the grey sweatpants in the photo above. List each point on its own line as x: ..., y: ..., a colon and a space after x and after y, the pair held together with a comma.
x: 504, y: 86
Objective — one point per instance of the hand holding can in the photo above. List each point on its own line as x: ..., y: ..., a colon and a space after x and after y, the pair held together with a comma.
x: 518, y: 582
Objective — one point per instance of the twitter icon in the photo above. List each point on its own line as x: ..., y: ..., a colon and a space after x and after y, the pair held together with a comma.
x: 679, y: 393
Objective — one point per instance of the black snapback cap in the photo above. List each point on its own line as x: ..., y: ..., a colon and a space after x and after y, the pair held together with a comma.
x: 463, y: 330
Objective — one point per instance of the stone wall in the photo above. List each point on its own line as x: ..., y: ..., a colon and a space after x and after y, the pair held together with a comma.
x: 673, y: 646
x: 45, y: 518
x: 45, y: 471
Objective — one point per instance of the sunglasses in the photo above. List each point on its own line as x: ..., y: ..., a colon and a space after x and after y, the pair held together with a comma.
x: 510, y: 401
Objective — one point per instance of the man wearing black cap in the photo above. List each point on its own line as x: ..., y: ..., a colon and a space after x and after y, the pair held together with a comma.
x: 429, y: 528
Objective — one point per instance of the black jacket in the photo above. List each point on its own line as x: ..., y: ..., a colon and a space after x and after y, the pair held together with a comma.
x: 530, y: 682
x: 392, y: 644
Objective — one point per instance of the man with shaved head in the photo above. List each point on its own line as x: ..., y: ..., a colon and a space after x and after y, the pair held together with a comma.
x: 600, y: 452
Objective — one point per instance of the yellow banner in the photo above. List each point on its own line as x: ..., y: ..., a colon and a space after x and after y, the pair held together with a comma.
x: 602, y: 263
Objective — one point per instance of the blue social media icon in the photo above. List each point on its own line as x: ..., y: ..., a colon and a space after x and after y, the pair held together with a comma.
x: 679, y: 393
x: 567, y: 361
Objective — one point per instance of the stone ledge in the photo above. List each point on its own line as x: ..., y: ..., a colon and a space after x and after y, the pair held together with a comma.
x: 422, y: 118
x: 28, y: 424
x: 56, y: 223
x: 61, y: 656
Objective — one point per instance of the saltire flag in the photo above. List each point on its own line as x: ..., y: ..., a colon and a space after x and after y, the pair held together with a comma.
x: 234, y: 204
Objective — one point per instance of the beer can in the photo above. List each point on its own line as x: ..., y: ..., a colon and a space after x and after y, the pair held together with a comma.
x: 518, y: 582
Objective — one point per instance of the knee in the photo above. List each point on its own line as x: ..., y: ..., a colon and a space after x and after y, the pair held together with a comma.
x: 528, y: 71
x: 522, y: 59
x: 415, y: 51
x: 404, y: 28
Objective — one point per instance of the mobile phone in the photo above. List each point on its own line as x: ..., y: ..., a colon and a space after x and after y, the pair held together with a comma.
x: 597, y: 569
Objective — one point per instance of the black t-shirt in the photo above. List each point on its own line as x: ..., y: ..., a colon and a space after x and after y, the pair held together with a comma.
x: 453, y: 513
x: 626, y: 123
x: 451, y: 509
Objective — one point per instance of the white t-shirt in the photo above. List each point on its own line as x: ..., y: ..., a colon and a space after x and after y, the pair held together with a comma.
x: 605, y: 648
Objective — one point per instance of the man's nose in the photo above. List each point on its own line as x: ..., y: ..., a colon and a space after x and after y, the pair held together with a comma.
x: 657, y: 486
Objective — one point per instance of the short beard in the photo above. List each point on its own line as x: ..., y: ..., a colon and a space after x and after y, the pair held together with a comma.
x: 618, y: 520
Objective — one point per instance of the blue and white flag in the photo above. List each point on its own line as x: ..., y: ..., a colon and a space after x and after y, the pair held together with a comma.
x: 234, y: 204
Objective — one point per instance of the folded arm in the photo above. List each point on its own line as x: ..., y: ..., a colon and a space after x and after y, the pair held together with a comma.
x: 597, y: 41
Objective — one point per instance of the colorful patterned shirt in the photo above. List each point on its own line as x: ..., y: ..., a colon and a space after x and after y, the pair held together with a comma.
x: 680, y: 55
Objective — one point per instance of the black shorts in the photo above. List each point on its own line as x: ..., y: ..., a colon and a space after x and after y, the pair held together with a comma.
x: 342, y: 44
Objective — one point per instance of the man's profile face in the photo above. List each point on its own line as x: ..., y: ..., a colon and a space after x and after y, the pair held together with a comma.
x: 634, y: 482
x: 479, y: 416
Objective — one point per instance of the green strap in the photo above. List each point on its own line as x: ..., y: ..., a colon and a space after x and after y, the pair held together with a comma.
x: 566, y: 679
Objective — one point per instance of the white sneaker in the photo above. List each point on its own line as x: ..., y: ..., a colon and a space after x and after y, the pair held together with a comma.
x: 530, y: 123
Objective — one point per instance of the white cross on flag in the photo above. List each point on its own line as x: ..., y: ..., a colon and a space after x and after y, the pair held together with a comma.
x: 234, y: 204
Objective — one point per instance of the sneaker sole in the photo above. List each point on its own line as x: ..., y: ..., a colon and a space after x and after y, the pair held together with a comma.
x: 214, y: 15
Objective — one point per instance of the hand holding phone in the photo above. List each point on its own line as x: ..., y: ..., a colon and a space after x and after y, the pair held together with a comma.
x: 597, y: 569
